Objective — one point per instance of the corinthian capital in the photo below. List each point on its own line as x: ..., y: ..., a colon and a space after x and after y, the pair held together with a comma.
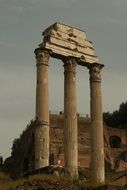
x: 70, y: 64
x: 95, y: 72
x: 42, y: 56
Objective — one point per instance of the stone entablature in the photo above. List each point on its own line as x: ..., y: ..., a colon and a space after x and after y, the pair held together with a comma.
x: 65, y: 41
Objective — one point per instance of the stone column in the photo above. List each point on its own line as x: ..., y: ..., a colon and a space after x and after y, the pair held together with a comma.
x: 97, y: 141
x: 42, y: 110
x: 70, y: 113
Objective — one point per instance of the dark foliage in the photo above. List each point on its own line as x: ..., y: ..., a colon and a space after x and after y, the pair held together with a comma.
x: 117, y: 119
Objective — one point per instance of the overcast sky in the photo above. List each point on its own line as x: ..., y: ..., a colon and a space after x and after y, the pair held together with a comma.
x: 21, y: 25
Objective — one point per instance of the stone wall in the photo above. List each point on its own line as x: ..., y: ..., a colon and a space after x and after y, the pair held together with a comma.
x: 23, y: 150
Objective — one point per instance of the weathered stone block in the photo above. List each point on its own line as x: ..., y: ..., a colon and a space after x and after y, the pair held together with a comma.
x: 65, y: 41
x: 62, y: 28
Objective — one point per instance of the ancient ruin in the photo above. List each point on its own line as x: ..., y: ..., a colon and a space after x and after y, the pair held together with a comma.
x: 78, y: 144
x: 73, y: 48
x: 22, y: 159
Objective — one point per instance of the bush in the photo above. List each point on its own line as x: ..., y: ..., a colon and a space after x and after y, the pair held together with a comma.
x: 50, y: 182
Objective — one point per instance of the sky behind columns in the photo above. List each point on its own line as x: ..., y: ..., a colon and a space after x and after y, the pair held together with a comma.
x: 21, y: 25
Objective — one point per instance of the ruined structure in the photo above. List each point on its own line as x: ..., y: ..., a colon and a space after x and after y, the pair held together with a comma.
x: 115, y: 148
x: 67, y: 138
x: 73, y: 48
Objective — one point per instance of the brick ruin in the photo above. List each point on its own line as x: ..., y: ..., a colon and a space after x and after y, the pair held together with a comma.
x: 23, y: 153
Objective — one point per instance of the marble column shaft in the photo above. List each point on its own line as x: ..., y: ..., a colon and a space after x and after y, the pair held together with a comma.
x: 97, y: 141
x: 70, y: 113
x: 42, y: 110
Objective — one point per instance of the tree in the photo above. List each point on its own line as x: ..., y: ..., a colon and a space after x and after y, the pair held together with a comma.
x: 118, y: 118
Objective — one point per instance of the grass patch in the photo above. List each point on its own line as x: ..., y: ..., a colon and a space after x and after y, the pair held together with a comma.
x: 49, y: 182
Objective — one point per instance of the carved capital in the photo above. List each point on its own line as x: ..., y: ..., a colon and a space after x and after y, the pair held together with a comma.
x: 70, y: 65
x: 42, y: 57
x: 95, y: 72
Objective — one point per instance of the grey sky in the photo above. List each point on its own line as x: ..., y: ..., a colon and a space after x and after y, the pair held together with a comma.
x: 21, y: 25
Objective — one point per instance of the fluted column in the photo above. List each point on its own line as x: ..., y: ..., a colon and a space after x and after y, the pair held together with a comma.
x: 70, y: 112
x: 42, y: 110
x: 97, y: 141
